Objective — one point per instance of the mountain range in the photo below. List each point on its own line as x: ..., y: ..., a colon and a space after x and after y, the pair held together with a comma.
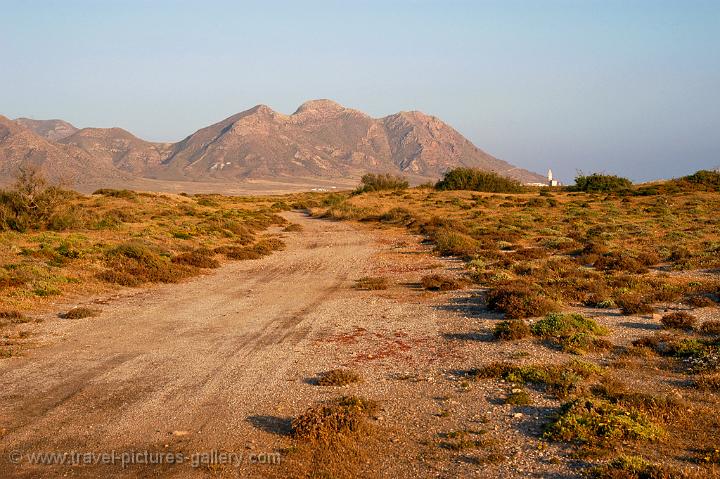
x: 321, y: 139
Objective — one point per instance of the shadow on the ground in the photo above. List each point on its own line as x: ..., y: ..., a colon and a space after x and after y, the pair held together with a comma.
x: 272, y: 424
x: 472, y: 305
x: 638, y: 325
x: 470, y: 336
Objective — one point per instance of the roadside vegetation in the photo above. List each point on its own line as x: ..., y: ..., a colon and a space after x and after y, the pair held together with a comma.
x: 56, y: 241
x: 619, y: 279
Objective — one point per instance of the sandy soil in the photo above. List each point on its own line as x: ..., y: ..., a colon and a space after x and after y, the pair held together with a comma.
x: 222, y: 362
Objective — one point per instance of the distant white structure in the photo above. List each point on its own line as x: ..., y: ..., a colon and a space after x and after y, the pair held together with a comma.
x: 551, y: 181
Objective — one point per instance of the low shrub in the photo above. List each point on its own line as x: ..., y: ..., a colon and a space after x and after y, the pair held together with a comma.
x: 561, y: 379
x: 127, y: 194
x: 372, y: 283
x: 293, y: 227
x: 380, y: 182
x: 633, y: 467
x: 512, y: 330
x: 13, y: 317
x: 80, y: 312
x: 708, y: 382
x: 678, y: 320
x: 633, y: 304
x: 700, y: 301
x: 518, y: 397
x: 134, y: 263
x: 33, y: 204
x: 519, y: 301
x: 345, y: 416
x: 439, y: 282
x: 710, y: 327
x: 620, y: 262
x: 453, y: 243
x: 558, y: 325
x: 592, y: 419
x: 338, y: 377
x: 200, y: 258
x: 574, y: 333
x: 598, y: 182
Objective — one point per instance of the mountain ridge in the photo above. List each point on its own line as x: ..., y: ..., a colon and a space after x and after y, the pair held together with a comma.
x: 320, y: 139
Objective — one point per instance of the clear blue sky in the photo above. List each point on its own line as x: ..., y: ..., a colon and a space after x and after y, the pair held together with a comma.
x: 629, y: 86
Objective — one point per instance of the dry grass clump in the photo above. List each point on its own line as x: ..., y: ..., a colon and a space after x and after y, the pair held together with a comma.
x: 630, y: 304
x: 519, y: 300
x: 80, y: 312
x: 700, y: 301
x: 134, y: 263
x: 344, y: 416
x: 339, y: 377
x: 440, y: 282
x: 633, y: 467
x: 293, y: 227
x: 200, y: 258
x: 463, y: 440
x: 708, y: 381
x: 678, y: 320
x: 710, y: 327
x: 12, y: 315
x: 262, y: 248
x: 372, y: 283
x: 621, y: 262
x: 453, y: 243
x: 512, y: 330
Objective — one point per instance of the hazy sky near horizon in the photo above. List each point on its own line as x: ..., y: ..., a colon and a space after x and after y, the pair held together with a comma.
x: 623, y: 86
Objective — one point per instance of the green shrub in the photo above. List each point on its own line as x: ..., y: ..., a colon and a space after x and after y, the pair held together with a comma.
x: 558, y: 325
x: 380, y: 182
x: 593, y: 419
x: 33, y: 204
x: 598, y: 182
x: 127, y: 194
x: 703, y: 179
x: 478, y: 180
x: 561, y: 379
x: 453, y: 243
x: 134, y: 263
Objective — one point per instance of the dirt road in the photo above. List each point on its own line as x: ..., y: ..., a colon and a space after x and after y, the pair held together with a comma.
x: 188, y: 364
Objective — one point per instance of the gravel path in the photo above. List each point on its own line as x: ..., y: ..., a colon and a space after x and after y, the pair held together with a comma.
x: 223, y: 361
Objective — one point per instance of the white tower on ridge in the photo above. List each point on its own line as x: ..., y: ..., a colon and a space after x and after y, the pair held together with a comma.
x: 549, y: 176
